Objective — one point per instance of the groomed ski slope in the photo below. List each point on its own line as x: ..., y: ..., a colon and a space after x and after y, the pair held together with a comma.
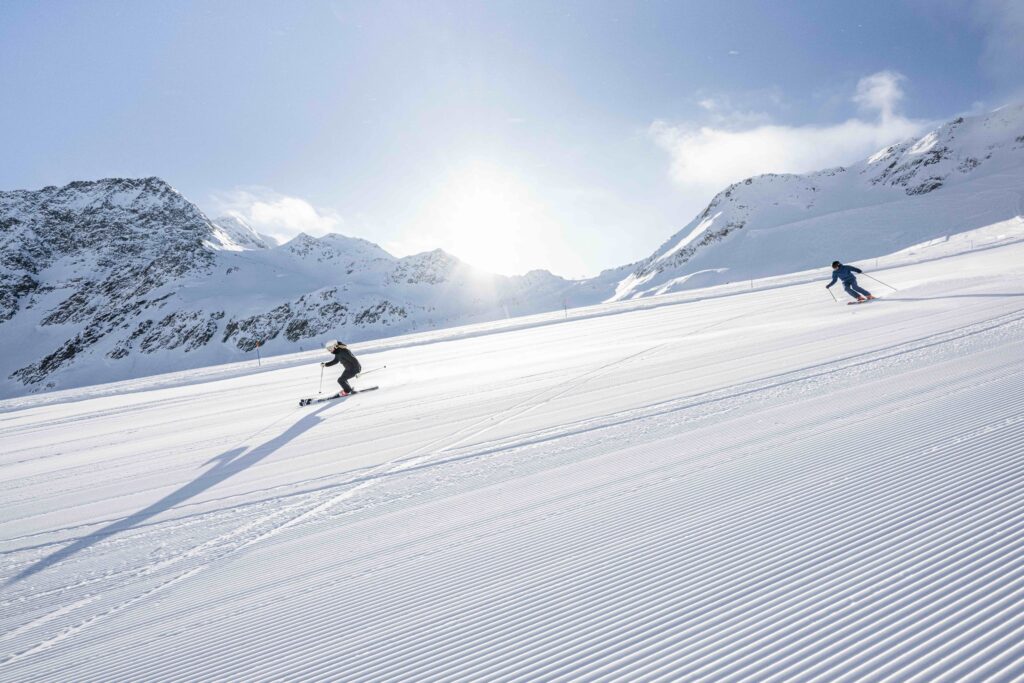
x: 754, y: 487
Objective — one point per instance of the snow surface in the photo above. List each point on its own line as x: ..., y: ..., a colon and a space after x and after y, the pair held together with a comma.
x: 724, y: 485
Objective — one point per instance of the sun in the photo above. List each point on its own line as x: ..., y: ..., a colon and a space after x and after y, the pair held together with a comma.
x: 489, y: 220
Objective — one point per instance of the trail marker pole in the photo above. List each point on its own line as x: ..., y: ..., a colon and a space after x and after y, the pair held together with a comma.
x: 259, y: 361
x: 321, y: 389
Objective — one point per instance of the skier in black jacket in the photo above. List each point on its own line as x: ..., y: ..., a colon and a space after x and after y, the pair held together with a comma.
x: 344, y: 356
x: 846, y: 274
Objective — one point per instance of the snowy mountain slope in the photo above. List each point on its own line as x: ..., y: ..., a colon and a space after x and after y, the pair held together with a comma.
x: 82, y: 262
x: 232, y: 233
x: 121, y: 278
x: 964, y: 175
x: 760, y: 486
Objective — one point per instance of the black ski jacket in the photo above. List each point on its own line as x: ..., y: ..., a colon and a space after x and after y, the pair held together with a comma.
x: 345, y: 357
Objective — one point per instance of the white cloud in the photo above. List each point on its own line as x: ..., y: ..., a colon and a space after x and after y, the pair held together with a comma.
x: 706, y: 158
x: 880, y: 92
x: 275, y: 214
x: 737, y: 111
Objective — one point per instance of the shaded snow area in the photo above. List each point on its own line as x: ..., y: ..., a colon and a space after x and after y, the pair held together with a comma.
x: 758, y: 485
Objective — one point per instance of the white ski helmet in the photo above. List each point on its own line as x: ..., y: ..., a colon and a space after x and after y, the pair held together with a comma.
x: 332, y: 345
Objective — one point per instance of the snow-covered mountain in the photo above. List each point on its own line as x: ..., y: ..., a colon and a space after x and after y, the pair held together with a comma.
x: 234, y: 234
x: 120, y: 278
x: 965, y: 174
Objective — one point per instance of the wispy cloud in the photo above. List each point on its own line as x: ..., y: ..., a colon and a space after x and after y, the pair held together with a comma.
x: 881, y: 93
x: 737, y: 145
x: 723, y: 112
x: 277, y: 215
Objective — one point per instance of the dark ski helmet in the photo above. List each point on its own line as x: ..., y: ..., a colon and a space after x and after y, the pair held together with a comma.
x: 836, y: 264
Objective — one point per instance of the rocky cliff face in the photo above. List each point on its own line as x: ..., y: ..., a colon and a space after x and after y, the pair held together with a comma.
x: 101, y: 235
x: 92, y: 256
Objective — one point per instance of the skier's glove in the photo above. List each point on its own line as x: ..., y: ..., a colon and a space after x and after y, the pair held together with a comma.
x: 322, y: 364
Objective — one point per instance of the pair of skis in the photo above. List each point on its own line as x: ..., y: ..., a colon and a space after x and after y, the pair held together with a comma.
x: 324, y: 399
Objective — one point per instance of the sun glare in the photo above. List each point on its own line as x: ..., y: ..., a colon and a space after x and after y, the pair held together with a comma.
x: 489, y: 220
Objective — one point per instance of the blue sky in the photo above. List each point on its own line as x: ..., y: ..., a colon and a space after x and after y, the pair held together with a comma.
x: 573, y: 136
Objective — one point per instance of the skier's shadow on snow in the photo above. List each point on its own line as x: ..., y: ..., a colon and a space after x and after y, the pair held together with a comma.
x: 226, y: 465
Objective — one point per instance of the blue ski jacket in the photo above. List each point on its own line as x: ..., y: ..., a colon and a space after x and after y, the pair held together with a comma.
x: 844, y: 273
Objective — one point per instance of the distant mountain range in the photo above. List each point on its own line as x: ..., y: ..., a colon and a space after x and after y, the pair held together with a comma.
x: 118, y: 278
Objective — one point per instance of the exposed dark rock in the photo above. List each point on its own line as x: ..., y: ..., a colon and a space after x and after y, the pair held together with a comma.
x: 925, y: 187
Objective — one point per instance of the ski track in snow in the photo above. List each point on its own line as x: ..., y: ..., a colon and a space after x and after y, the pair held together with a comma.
x: 762, y: 487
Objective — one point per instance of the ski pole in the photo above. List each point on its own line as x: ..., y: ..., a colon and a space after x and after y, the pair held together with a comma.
x: 321, y: 389
x: 880, y: 282
x: 374, y: 370
x: 833, y: 294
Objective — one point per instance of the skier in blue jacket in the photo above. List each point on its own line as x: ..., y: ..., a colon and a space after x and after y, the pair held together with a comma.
x: 846, y: 274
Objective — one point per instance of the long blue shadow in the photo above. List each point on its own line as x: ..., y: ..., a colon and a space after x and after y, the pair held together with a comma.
x: 227, y: 465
